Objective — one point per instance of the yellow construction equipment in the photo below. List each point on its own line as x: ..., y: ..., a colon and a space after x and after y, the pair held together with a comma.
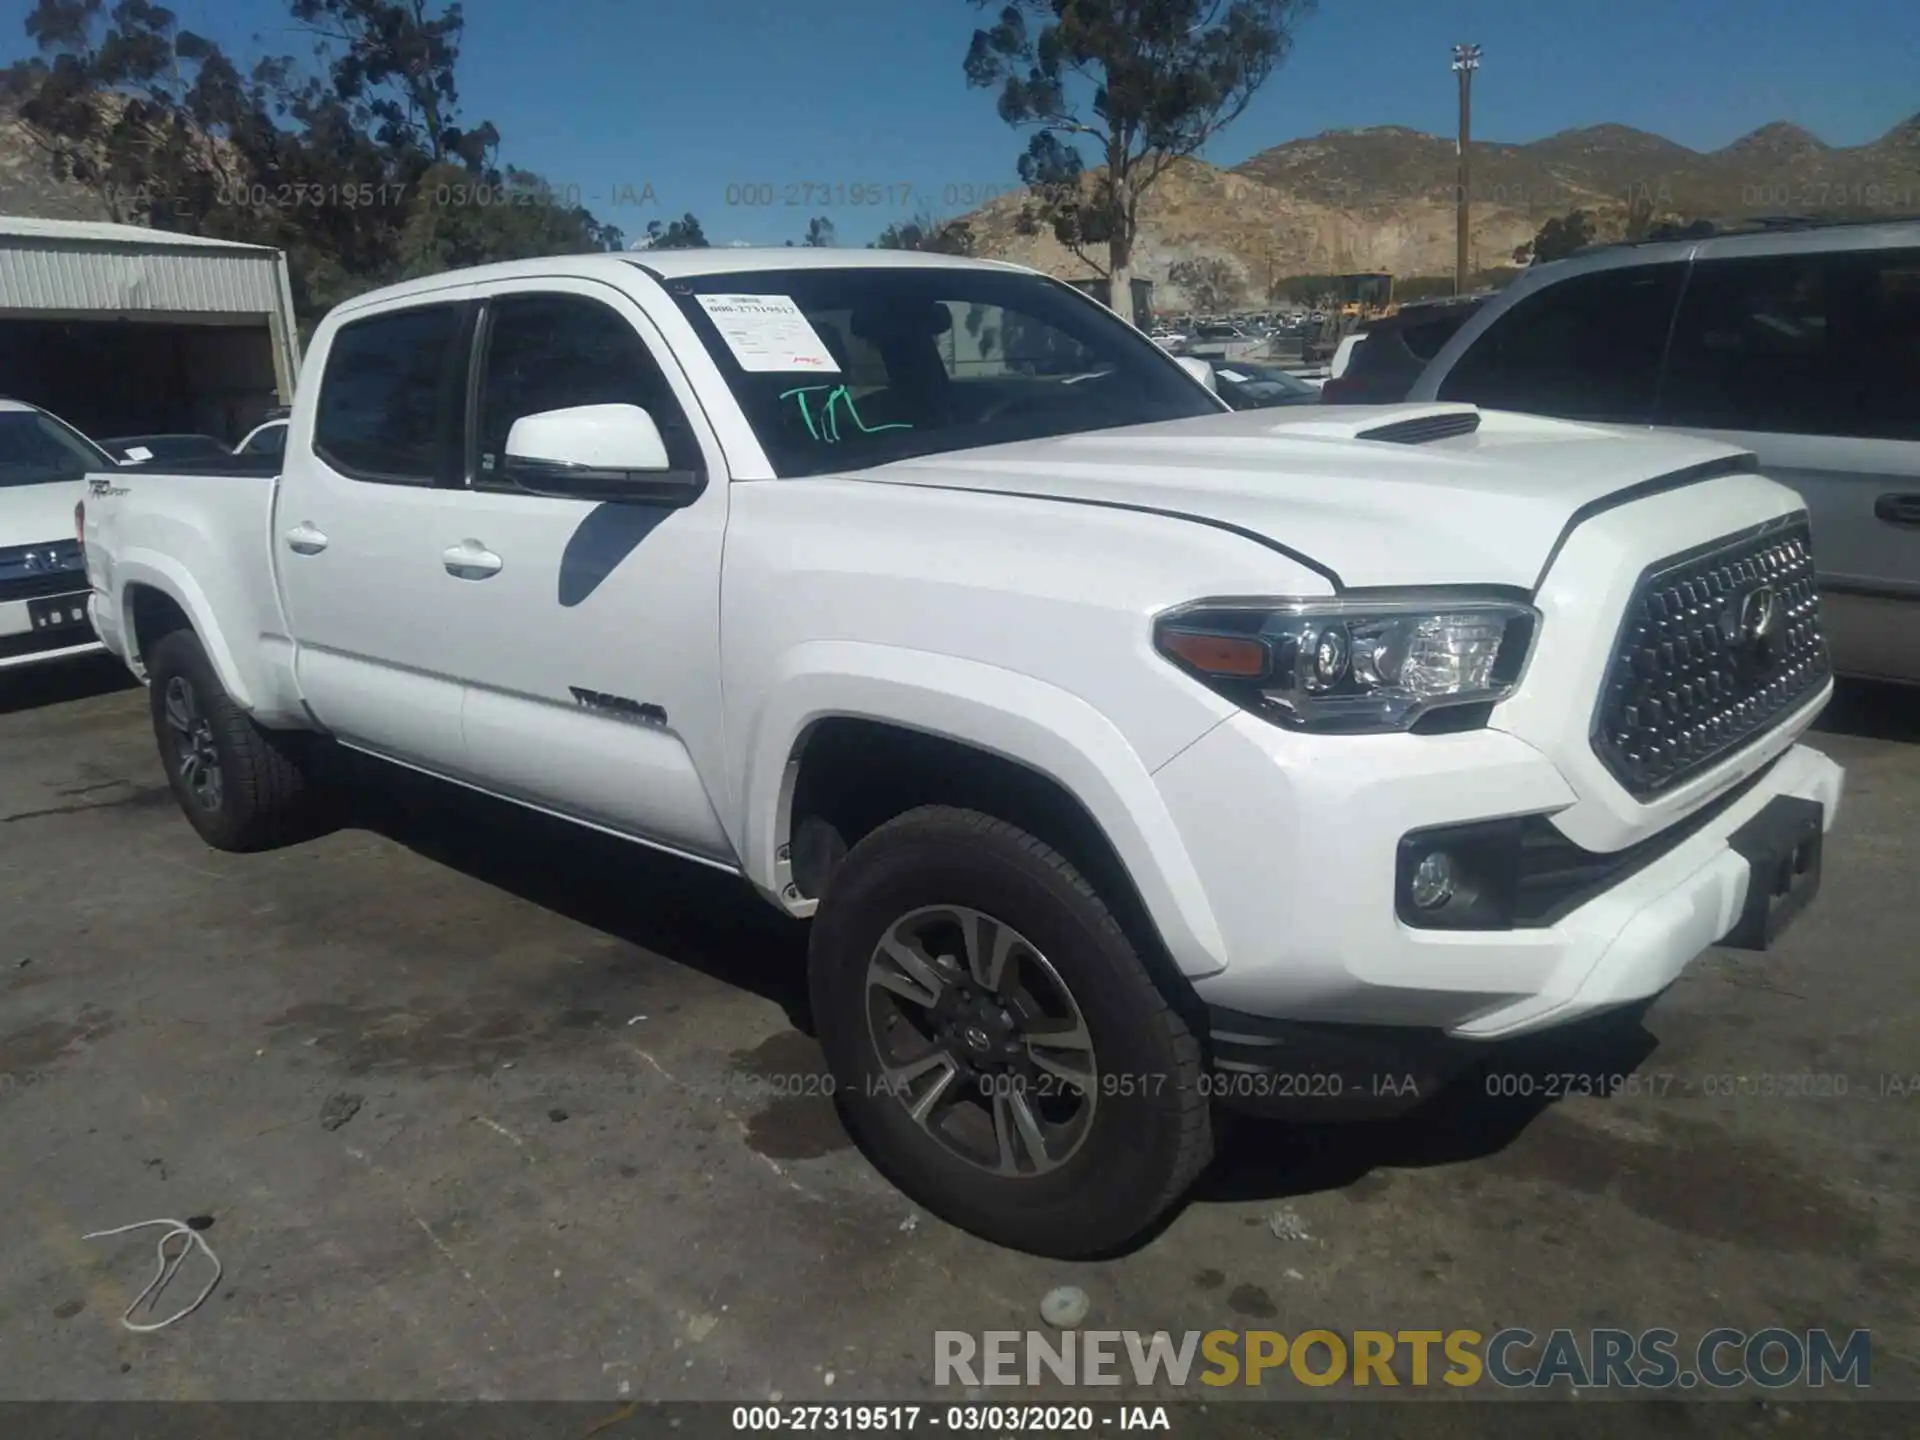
x: 1355, y: 299
x: 1366, y: 296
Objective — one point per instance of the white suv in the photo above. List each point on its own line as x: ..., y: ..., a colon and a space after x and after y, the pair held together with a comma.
x: 43, y: 582
x: 1799, y: 342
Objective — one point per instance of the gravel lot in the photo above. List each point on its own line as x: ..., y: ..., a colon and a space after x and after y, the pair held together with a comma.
x: 590, y: 1158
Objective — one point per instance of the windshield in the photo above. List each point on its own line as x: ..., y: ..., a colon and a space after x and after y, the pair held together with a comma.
x: 841, y: 369
x: 36, y: 449
x: 1252, y: 386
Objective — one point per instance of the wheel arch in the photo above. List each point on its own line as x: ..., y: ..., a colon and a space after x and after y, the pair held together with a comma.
x: 157, y: 598
x: 879, y: 731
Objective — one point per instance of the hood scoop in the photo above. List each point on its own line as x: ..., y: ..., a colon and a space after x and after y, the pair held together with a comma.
x: 1423, y: 428
x: 1399, y: 425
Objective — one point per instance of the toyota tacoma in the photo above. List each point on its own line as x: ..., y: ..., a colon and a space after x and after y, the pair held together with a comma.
x: 1128, y: 754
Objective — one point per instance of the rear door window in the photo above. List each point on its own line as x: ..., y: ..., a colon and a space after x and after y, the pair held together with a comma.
x: 1588, y: 348
x: 392, y: 397
x: 1813, y: 344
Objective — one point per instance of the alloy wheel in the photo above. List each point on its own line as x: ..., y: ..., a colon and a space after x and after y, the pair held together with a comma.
x: 981, y: 1041
x: 194, y: 749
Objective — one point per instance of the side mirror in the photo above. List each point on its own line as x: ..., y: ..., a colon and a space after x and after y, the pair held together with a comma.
x: 596, y: 452
x: 1201, y: 370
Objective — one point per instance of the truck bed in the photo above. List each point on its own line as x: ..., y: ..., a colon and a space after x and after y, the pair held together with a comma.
x: 265, y: 467
x: 205, y: 533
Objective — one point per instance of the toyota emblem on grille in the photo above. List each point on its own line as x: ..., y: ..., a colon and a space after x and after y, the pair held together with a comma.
x: 1753, y: 624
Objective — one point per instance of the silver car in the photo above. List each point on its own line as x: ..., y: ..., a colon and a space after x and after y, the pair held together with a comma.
x: 1799, y: 341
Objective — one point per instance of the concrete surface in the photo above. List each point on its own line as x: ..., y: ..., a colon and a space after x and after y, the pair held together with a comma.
x: 592, y: 1158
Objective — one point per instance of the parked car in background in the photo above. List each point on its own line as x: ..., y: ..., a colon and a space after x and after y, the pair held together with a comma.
x: 1123, y: 751
x: 1388, y: 354
x: 1247, y: 385
x: 1223, y: 340
x: 165, y: 449
x: 1798, y: 342
x: 1221, y: 332
x: 43, y: 578
x: 269, y: 437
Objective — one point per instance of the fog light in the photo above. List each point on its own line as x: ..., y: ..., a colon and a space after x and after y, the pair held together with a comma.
x: 1432, y: 882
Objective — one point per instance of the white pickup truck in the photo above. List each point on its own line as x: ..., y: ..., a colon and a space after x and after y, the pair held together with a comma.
x: 1131, y: 755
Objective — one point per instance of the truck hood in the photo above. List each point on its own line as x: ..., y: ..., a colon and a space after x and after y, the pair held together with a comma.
x: 35, y: 514
x: 1480, y: 508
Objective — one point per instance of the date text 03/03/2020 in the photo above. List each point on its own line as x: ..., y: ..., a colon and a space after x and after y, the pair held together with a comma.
x: 1222, y: 1085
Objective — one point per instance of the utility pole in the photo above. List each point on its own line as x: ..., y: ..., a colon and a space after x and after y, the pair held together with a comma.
x: 1466, y: 60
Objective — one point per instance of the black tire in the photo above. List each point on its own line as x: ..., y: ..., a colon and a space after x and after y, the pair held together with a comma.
x: 261, y: 799
x: 1148, y: 1135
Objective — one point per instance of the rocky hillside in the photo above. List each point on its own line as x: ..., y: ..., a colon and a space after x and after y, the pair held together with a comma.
x: 1382, y: 198
x: 28, y: 186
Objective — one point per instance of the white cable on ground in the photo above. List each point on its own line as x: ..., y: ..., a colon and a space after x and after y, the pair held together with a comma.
x: 169, y: 1267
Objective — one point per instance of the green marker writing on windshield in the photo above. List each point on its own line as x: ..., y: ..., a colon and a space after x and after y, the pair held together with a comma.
x: 837, y: 396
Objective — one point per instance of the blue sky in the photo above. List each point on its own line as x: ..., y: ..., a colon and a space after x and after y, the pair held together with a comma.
x: 662, y: 106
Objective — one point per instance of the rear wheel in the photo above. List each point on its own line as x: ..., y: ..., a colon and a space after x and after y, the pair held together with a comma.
x: 997, y: 1045
x: 240, y: 786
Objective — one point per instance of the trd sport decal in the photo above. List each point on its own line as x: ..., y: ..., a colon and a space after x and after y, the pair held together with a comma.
x: 634, y: 710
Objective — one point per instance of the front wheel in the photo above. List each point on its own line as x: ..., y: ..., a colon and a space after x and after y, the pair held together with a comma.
x: 239, y: 785
x: 997, y: 1046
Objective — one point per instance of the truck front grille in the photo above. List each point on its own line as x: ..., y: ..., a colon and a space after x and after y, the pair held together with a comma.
x: 1717, y: 645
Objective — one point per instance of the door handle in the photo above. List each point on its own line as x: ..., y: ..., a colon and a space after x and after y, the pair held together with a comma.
x: 470, y: 560
x: 303, y: 539
x: 1898, y: 510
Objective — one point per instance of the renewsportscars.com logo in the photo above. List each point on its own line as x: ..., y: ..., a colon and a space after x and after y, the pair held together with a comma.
x: 1512, y: 1358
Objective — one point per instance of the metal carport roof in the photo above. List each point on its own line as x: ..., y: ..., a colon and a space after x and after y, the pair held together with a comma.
x: 78, y: 266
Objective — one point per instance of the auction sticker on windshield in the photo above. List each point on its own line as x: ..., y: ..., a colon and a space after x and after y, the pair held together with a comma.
x: 769, y: 333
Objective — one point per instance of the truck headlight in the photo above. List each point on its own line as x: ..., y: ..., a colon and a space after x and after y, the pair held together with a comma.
x: 1353, y: 665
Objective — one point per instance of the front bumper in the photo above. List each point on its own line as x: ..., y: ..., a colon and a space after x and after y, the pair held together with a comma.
x: 1299, y: 869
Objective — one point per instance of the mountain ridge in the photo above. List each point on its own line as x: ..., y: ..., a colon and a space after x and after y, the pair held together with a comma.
x: 1374, y: 197
x: 1382, y: 198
